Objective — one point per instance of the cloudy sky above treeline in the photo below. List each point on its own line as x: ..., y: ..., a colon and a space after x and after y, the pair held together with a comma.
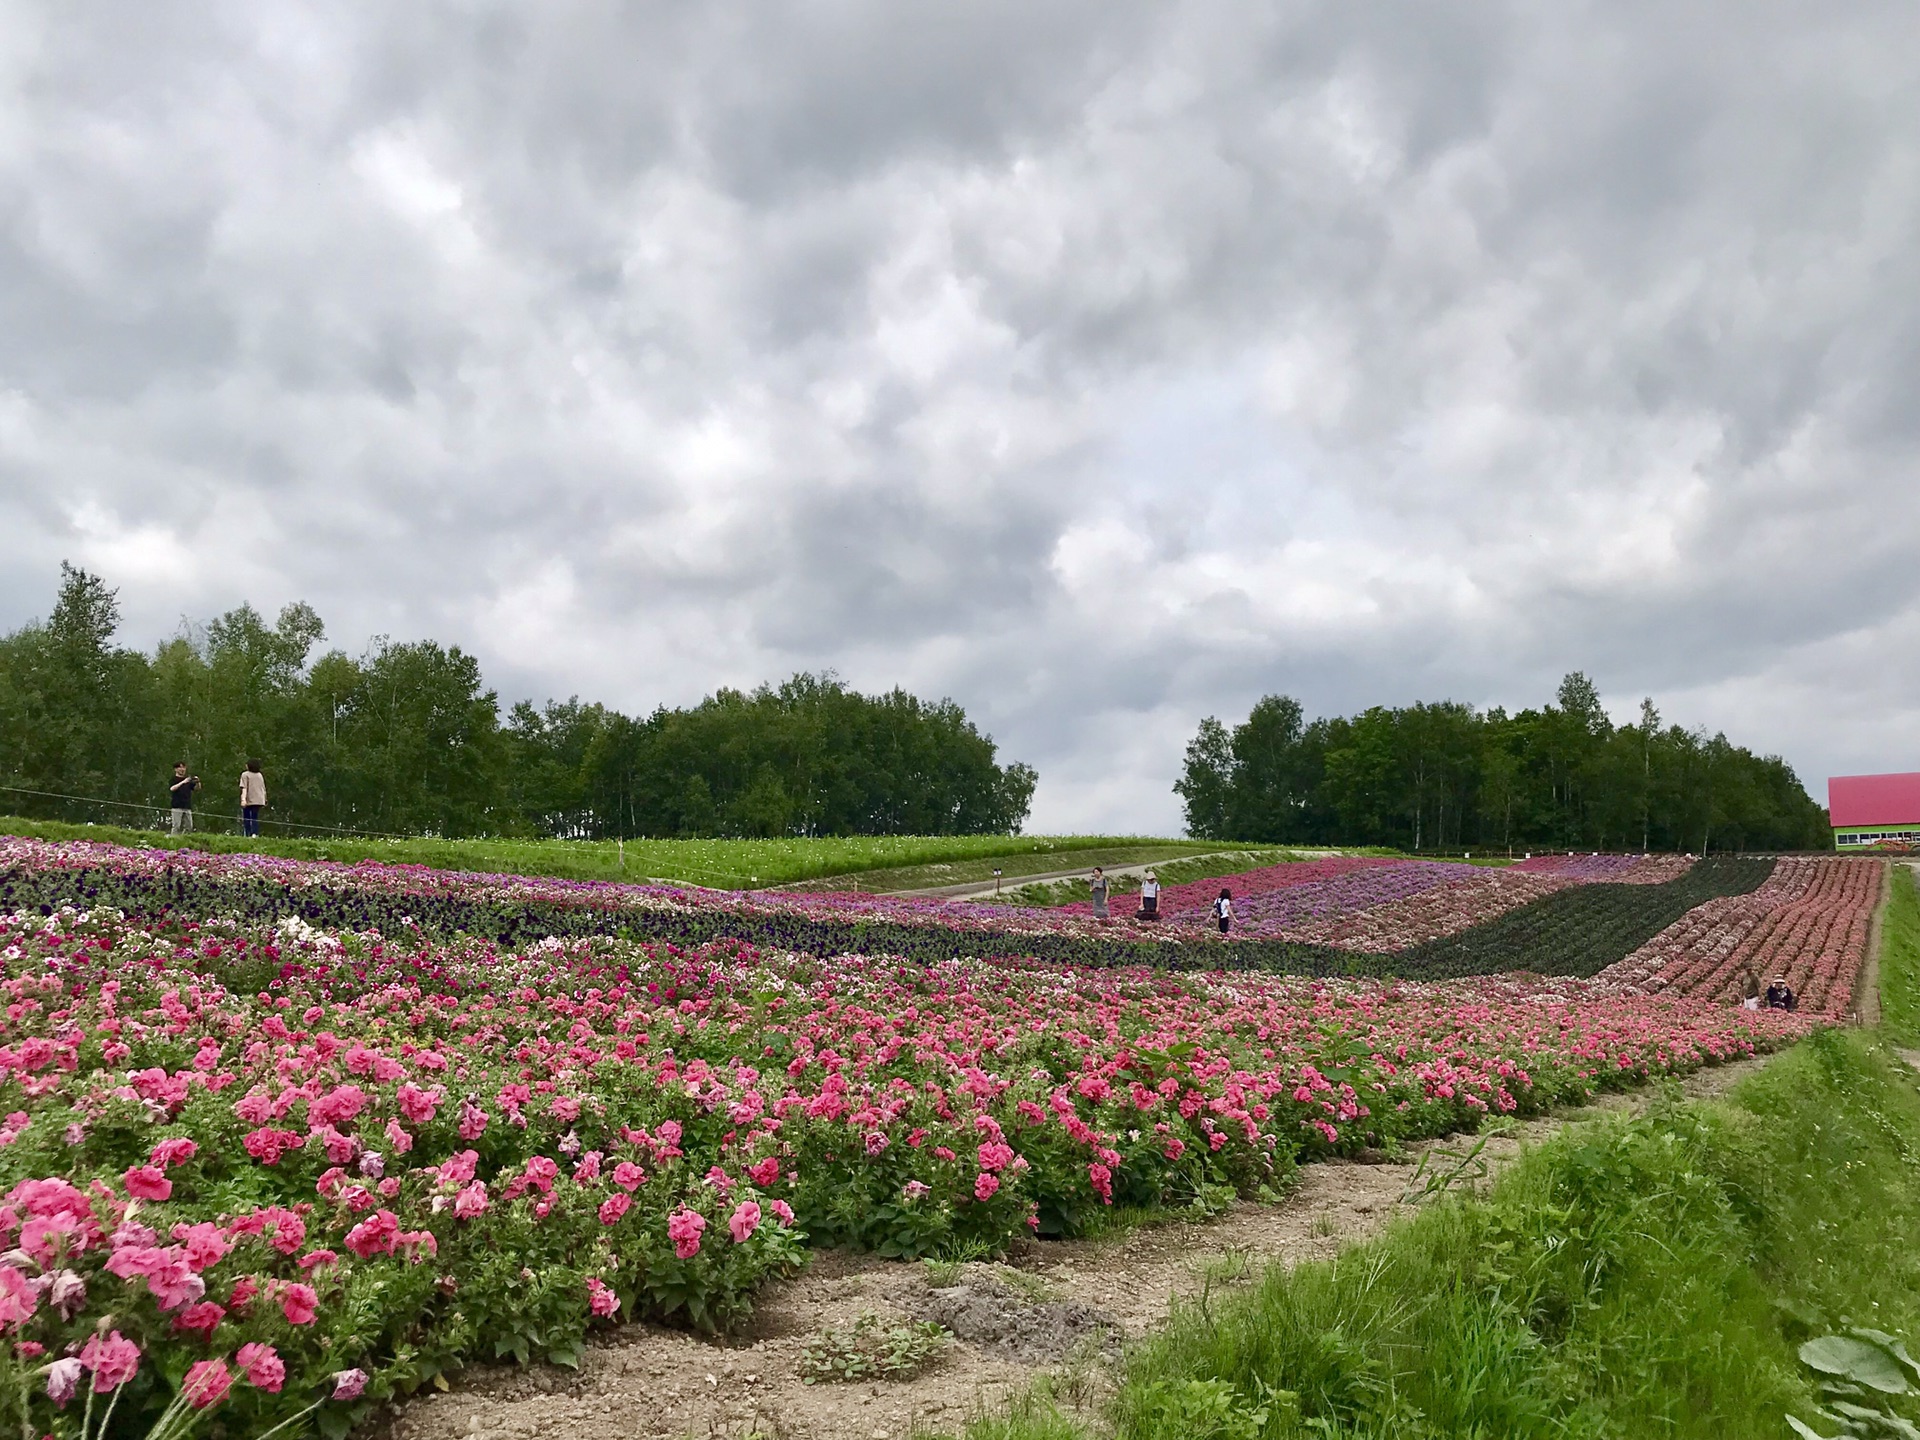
x: 1100, y: 365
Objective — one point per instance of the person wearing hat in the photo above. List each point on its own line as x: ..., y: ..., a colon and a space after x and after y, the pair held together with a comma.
x: 1780, y: 995
x: 1149, y: 896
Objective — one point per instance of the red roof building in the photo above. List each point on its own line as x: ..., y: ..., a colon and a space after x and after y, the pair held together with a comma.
x: 1874, y: 809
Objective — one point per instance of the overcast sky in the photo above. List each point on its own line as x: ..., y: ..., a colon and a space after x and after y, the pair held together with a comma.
x: 1101, y: 365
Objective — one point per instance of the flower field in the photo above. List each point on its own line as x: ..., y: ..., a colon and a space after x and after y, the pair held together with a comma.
x: 1808, y: 922
x: 280, y: 1172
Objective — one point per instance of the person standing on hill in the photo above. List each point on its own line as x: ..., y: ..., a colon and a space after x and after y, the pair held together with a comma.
x: 1223, y: 911
x: 1097, y: 888
x: 180, y: 799
x: 253, y: 796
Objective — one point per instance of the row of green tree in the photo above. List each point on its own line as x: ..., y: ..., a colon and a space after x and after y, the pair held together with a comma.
x: 407, y: 740
x: 1447, y: 776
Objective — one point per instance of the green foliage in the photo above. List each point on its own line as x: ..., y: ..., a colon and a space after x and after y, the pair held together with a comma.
x: 1660, y: 1276
x: 1900, y: 960
x: 870, y: 1349
x: 406, y: 739
x: 1446, y: 776
x: 722, y: 864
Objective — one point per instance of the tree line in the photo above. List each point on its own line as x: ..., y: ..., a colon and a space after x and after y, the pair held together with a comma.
x: 406, y: 739
x: 1447, y: 776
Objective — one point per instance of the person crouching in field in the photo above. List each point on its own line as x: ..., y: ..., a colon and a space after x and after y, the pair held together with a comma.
x: 253, y: 796
x: 1149, y: 896
x: 180, y: 799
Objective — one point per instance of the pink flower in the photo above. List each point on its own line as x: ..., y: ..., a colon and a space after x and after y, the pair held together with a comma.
x: 178, y: 1151
x: 349, y: 1384
x: 469, y: 1203
x: 18, y: 1297
x: 201, y: 1319
x: 764, y: 1172
x: 376, y: 1234
x: 398, y: 1138
x: 613, y: 1207
x: 744, y: 1221
x: 684, y: 1228
x: 985, y: 1186
x: 112, y: 1360
x: 63, y: 1380
x: 629, y: 1176
x: 263, y: 1367
x: 144, y: 1182
x: 206, y: 1384
x: 299, y: 1303
x: 601, y: 1300
x: 783, y: 1211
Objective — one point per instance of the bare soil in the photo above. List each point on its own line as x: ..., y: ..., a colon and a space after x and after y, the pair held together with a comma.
x: 1063, y: 1308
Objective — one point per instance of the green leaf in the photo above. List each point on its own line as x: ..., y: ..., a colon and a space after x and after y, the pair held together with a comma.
x: 1892, y: 1344
x: 1803, y: 1430
x: 1856, y: 1360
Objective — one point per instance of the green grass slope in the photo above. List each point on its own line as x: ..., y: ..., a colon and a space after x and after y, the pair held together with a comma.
x: 723, y: 864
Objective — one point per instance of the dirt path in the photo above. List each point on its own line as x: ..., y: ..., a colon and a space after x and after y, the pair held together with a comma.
x: 1056, y: 1308
x: 974, y: 889
x: 1866, y: 1004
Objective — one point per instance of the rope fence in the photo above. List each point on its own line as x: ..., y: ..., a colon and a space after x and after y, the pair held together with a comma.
x: 157, y: 817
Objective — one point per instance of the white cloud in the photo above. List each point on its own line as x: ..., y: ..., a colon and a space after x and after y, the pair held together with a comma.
x: 1102, y: 366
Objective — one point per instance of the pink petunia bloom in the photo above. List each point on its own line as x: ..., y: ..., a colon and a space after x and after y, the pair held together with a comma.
x: 349, y: 1384
x: 177, y: 1151
x: 18, y: 1297
x: 684, y: 1228
x: 613, y: 1207
x: 985, y: 1186
x: 744, y: 1221
x: 601, y: 1300
x: 299, y: 1303
x: 63, y: 1380
x: 201, y: 1319
x: 470, y: 1203
x: 764, y: 1172
x: 113, y: 1360
x: 782, y: 1211
x: 207, y: 1383
x: 262, y: 1366
x: 628, y: 1176
x: 144, y: 1182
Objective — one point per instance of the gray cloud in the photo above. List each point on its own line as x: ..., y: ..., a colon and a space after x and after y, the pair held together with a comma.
x: 1103, y: 366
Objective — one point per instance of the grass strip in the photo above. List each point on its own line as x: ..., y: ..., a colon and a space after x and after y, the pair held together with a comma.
x: 1900, y: 960
x: 1582, y: 930
x: 1628, y: 1278
x: 721, y: 864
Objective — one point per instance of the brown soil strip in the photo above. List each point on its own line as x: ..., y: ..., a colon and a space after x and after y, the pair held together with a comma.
x: 1057, y: 1307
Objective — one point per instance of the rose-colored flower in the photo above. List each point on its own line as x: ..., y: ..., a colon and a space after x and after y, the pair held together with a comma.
x: 628, y: 1176
x: 471, y: 1202
x: 113, y: 1359
x: 145, y: 1182
x: 744, y: 1221
x: 177, y: 1151
x: 299, y: 1303
x: 985, y: 1186
x: 207, y: 1383
x: 613, y: 1207
x: 262, y: 1366
x: 684, y: 1228
x: 601, y: 1300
